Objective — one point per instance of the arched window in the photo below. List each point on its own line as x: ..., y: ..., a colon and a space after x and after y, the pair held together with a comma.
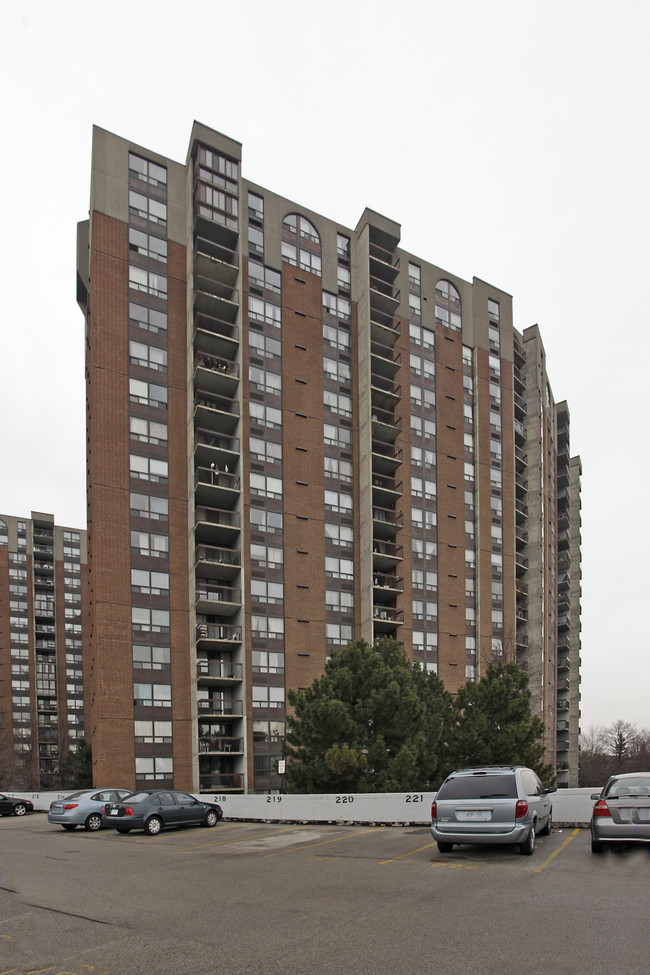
x: 448, y: 305
x: 301, y: 243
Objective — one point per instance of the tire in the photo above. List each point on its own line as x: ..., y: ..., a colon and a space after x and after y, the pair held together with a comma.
x: 123, y: 829
x: 597, y: 846
x: 211, y: 818
x: 69, y: 826
x: 549, y: 825
x: 527, y: 848
x: 93, y: 823
x: 444, y: 847
x: 153, y: 825
x: 20, y: 809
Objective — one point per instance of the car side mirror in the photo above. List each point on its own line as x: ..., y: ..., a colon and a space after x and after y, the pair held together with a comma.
x: 595, y: 795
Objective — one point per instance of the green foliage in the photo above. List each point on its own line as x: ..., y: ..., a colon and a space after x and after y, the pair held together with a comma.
x: 494, y: 724
x: 76, y: 768
x: 373, y: 723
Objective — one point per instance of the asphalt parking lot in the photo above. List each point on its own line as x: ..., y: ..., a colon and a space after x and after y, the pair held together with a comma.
x: 296, y: 899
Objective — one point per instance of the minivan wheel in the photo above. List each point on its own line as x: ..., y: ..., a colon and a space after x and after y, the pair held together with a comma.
x: 445, y: 847
x: 93, y: 823
x: 153, y: 825
x: 527, y: 848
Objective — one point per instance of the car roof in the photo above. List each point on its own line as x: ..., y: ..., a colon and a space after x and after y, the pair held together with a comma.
x: 487, y: 768
x: 629, y: 775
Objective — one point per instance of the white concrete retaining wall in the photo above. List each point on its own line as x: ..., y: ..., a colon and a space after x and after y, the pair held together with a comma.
x: 571, y: 807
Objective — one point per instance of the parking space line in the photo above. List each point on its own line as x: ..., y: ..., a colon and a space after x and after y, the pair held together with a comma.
x: 278, y: 832
x: 410, y: 853
x: 309, y: 846
x: 559, y: 850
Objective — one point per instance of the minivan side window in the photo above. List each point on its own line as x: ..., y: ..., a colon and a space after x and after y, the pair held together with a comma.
x: 530, y: 782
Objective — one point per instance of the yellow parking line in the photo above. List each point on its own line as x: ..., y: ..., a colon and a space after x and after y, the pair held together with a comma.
x: 309, y: 846
x: 410, y: 853
x: 559, y: 850
x: 244, y: 839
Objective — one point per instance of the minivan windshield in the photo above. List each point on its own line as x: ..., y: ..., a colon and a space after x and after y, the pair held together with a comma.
x: 479, y: 785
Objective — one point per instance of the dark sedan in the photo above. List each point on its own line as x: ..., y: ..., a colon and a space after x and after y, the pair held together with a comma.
x: 153, y: 811
x: 622, y: 811
x: 10, y: 806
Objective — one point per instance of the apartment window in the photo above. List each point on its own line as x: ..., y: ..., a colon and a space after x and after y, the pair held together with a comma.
x: 147, y: 171
x: 447, y: 305
x: 267, y: 627
x: 147, y: 431
x: 415, y: 305
x: 151, y: 658
x: 494, y: 311
x: 343, y: 247
x: 255, y: 240
x: 339, y: 568
x: 266, y: 556
x: 264, y: 311
x: 265, y: 450
x: 151, y: 583
x: 336, y: 501
x: 147, y: 208
x: 264, y: 520
x: 152, y: 732
x: 337, y: 436
x: 267, y: 661
x: 268, y: 697
x: 255, y: 206
x: 149, y: 544
x: 264, y: 345
x: 337, y: 600
x: 414, y: 275
x: 340, y: 469
x: 149, y: 356
x: 152, y: 695
x: 148, y: 468
x: 337, y: 306
x: 261, y: 277
x: 267, y: 592
x: 146, y: 506
x: 338, y: 634
x: 219, y: 163
x: 265, y: 381
x: 262, y: 485
x: 267, y: 416
x: 147, y: 318
x: 343, y: 278
x: 337, y: 403
x: 149, y: 281
x: 147, y: 245
x: 337, y: 370
x: 147, y: 394
x: 337, y: 338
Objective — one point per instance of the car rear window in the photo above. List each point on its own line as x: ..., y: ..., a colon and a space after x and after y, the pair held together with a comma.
x: 479, y: 786
x: 139, y: 797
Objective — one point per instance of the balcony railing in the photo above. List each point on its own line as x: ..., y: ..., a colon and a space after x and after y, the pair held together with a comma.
x: 217, y: 364
x: 218, y: 631
x: 220, y: 706
x: 220, y: 745
x: 221, y: 782
x: 218, y: 516
x: 218, y: 594
x: 206, y: 553
x: 218, y: 669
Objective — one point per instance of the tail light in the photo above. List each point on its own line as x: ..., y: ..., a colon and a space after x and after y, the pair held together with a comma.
x: 128, y: 811
x: 522, y: 808
x: 70, y: 805
x: 601, y: 808
x: 434, y: 810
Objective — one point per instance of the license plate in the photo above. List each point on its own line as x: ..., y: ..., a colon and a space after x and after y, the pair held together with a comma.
x: 474, y: 816
x: 113, y: 812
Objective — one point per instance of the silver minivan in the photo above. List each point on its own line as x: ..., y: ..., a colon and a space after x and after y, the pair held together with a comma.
x: 492, y: 804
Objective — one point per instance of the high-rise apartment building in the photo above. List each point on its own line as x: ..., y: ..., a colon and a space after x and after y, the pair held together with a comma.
x: 300, y: 434
x: 43, y: 605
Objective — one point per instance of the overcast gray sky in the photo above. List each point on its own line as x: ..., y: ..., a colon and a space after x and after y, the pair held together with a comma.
x: 509, y: 139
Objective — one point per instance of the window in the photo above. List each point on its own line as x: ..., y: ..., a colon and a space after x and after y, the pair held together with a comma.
x: 153, y: 583
x: 147, y: 171
x: 150, y: 281
x: 264, y: 345
x: 265, y: 450
x: 337, y: 403
x: 149, y: 356
x: 266, y: 521
x: 337, y: 306
x: 147, y: 245
x: 147, y: 431
x: 337, y: 436
x: 264, y: 311
x: 267, y: 592
x: 447, y: 306
x: 147, y: 318
x: 414, y: 275
x: 267, y: 416
x: 264, y: 381
x: 267, y: 661
x: 267, y: 627
x: 268, y: 697
x: 147, y: 394
x: 148, y: 209
x: 151, y: 658
x: 148, y: 468
x: 338, y: 338
x: 339, y: 568
x: 337, y: 501
x: 338, y: 634
x: 255, y: 206
x: 340, y: 469
x: 338, y: 601
x: 144, y: 506
x: 149, y: 544
x: 265, y: 556
x: 262, y: 485
x: 337, y: 370
x: 152, y: 695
